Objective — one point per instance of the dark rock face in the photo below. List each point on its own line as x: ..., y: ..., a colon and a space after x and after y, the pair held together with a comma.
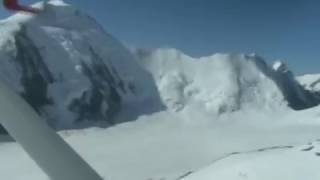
x: 297, y: 96
x: 101, y: 101
x: 2, y: 130
x: 105, y: 89
x: 35, y: 74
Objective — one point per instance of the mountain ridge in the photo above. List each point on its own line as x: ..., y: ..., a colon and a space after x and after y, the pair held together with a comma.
x: 237, y: 78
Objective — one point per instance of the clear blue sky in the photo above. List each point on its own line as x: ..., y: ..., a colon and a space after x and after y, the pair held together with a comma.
x: 274, y: 29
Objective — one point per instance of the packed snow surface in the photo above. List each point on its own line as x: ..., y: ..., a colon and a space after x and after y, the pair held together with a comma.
x: 278, y: 162
x: 169, y: 145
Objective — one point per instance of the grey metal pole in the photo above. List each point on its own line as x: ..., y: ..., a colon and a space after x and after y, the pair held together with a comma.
x: 47, y: 149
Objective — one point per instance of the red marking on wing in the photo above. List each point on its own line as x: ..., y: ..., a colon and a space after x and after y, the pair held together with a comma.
x: 13, y: 5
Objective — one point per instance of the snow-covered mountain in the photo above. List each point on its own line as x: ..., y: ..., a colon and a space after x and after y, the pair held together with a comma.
x: 231, y: 108
x: 223, y: 82
x: 69, y: 69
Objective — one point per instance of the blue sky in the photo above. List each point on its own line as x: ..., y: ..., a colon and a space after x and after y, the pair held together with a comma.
x: 274, y: 29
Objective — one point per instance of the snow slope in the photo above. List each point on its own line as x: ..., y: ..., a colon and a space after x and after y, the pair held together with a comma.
x: 283, y: 163
x: 310, y: 82
x: 69, y: 69
x: 223, y: 82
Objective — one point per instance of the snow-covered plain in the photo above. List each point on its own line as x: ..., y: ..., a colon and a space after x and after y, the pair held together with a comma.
x: 226, y: 117
x: 279, y: 162
x: 168, y: 145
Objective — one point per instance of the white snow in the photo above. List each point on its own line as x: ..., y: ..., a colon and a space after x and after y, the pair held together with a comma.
x: 168, y: 145
x: 218, y: 83
x: 280, y: 66
x: 283, y: 163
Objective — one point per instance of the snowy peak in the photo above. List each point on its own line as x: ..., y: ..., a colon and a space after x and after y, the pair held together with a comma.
x: 279, y: 66
x: 55, y: 13
x: 222, y: 82
x: 68, y: 68
x: 58, y: 3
